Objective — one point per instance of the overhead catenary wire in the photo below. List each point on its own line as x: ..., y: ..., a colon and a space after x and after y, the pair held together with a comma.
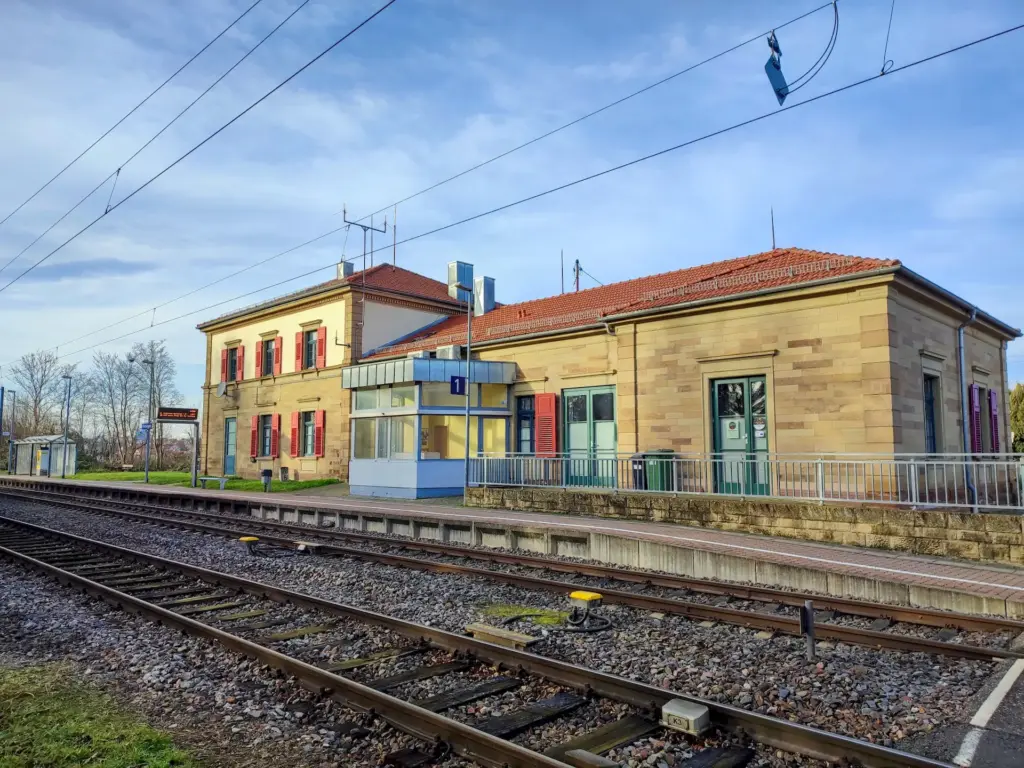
x: 131, y: 112
x: 886, y: 61
x: 154, y: 137
x: 584, y: 179
x: 469, y: 170
x: 217, y: 132
x: 819, y: 65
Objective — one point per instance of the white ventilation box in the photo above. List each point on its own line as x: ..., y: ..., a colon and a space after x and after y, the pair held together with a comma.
x: 420, y: 353
x: 450, y: 352
x: 686, y: 716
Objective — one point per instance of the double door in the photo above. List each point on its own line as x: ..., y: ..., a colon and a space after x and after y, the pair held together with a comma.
x: 740, y: 411
x: 590, y: 436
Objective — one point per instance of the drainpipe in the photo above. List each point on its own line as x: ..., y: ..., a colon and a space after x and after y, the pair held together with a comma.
x: 972, y: 491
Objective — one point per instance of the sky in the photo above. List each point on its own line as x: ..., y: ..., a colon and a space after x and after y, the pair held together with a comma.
x: 925, y: 165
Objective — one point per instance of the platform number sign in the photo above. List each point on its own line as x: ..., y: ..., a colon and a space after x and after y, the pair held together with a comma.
x: 459, y: 385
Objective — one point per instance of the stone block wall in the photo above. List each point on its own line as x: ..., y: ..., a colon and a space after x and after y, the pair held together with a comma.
x: 983, y: 537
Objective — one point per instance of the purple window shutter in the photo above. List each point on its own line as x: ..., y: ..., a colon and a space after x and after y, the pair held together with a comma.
x: 993, y: 415
x: 975, y: 416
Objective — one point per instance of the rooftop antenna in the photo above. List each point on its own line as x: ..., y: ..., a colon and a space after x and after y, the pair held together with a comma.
x: 394, y: 237
x: 773, y: 227
x: 576, y: 274
x: 366, y: 228
x: 561, y: 272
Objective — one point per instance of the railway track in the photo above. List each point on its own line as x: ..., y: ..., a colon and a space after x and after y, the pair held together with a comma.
x: 311, y: 639
x: 769, y: 615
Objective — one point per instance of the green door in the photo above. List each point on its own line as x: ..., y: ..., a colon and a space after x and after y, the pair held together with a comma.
x: 590, y: 436
x: 740, y: 412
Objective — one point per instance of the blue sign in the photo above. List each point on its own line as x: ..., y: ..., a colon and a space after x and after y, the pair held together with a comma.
x: 145, y: 425
x: 459, y: 385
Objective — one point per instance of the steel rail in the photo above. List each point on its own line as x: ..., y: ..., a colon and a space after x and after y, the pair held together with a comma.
x: 897, y: 613
x: 409, y: 718
x: 753, y: 619
x: 781, y: 734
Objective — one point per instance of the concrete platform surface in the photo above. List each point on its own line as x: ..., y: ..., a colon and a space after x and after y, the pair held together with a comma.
x: 704, y: 553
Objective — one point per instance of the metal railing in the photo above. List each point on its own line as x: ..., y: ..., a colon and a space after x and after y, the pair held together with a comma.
x: 981, y: 481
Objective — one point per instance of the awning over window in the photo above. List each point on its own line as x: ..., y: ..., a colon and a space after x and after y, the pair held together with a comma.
x: 416, y: 369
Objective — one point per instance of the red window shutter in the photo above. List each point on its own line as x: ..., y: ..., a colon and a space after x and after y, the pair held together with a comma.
x: 275, y: 435
x: 254, y: 438
x: 278, y: 355
x: 259, y: 358
x: 298, y: 351
x: 321, y: 347
x: 294, y: 447
x: 223, y: 365
x: 318, y: 433
x: 975, y: 416
x: 240, y: 371
x: 993, y: 414
x: 546, y: 438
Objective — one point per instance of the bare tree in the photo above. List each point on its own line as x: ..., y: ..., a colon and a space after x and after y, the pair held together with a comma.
x: 37, y: 376
x: 164, y: 390
x: 119, y: 391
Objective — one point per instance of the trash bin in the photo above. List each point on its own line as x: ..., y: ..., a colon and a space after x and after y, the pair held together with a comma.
x: 639, y: 467
x: 660, y: 470
x: 266, y: 475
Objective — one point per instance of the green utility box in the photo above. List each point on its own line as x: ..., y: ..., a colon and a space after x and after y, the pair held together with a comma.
x: 661, y: 470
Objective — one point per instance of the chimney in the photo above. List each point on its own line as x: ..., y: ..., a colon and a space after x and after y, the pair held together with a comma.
x: 483, y: 295
x: 459, y: 273
x: 345, y: 269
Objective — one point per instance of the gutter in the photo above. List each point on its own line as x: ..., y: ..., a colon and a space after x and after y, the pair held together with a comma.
x: 967, y: 306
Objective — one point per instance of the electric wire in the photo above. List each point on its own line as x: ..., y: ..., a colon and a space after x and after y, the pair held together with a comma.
x: 590, y: 276
x: 469, y: 170
x: 584, y: 179
x: 217, y: 132
x: 597, y: 111
x: 153, y: 138
x: 819, y: 65
x: 887, y: 63
x: 130, y: 112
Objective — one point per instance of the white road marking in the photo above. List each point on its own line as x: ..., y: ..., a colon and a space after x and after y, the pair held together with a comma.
x: 362, y: 506
x: 965, y: 756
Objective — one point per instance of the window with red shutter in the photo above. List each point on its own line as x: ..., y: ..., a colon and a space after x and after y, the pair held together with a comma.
x: 321, y: 347
x: 298, y: 351
x: 975, y: 415
x: 546, y: 410
x: 240, y: 372
x: 275, y: 435
x: 254, y: 438
x: 278, y: 355
x: 318, y: 433
x: 293, y: 448
x: 993, y: 415
x: 259, y: 359
x: 223, y: 365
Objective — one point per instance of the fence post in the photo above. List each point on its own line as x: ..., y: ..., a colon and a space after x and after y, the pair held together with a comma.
x: 915, y: 493
x: 819, y: 479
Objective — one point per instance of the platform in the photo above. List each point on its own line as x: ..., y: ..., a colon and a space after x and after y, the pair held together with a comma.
x: 828, y: 569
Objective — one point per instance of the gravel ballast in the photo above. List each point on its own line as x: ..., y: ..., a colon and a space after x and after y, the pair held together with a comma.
x: 878, y: 695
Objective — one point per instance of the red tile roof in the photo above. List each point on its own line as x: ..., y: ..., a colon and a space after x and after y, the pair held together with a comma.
x: 382, y: 277
x: 781, y: 267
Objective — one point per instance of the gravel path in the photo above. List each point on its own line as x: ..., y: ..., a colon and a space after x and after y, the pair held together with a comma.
x: 878, y: 695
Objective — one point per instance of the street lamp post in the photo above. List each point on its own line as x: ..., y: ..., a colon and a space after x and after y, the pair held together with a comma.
x: 149, y: 410
x: 67, y: 420
x: 469, y: 363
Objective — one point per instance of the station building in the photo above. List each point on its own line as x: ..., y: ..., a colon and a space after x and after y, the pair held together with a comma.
x: 789, y: 351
